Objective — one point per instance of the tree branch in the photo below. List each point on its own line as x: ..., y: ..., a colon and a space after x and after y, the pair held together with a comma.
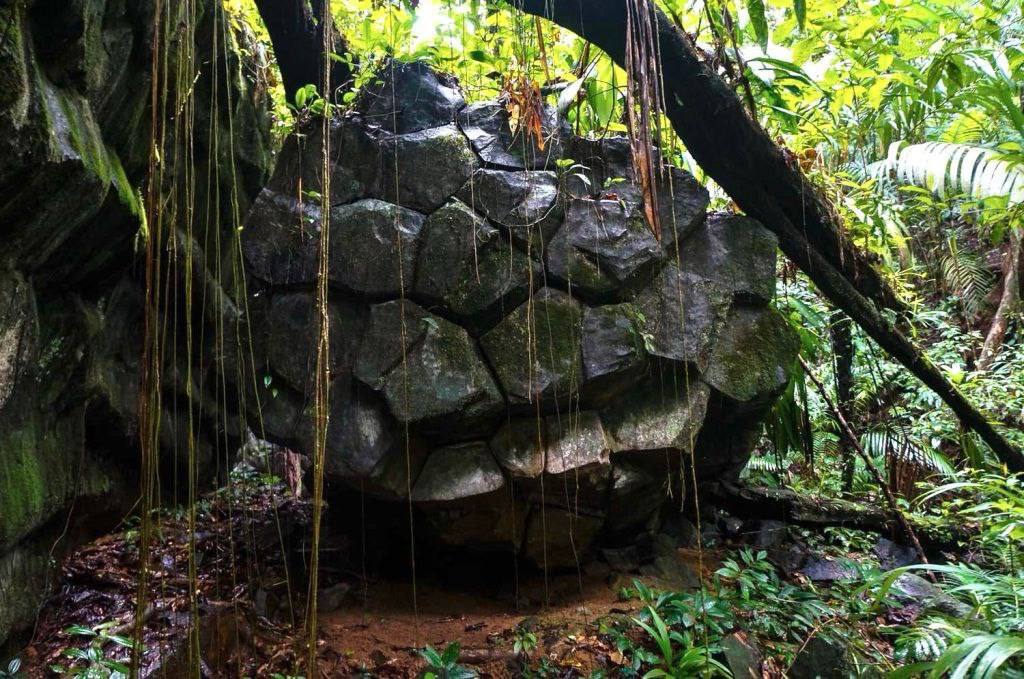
x: 297, y: 33
x: 786, y: 505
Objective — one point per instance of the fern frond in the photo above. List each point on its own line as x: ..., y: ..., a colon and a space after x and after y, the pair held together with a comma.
x: 965, y: 275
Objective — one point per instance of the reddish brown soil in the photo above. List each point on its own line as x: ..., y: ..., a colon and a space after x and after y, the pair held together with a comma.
x: 383, y: 633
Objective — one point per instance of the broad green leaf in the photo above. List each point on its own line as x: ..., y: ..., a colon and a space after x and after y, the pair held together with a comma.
x: 755, y: 8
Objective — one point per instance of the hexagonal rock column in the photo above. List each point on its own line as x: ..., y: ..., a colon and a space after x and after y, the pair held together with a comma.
x: 429, y: 372
x: 513, y: 335
x: 469, y: 269
x: 536, y: 350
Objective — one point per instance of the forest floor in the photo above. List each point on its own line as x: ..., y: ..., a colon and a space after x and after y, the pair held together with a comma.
x: 248, y: 555
x: 367, y: 625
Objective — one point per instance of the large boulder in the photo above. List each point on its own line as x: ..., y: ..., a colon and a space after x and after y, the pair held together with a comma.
x: 753, y: 356
x: 653, y: 419
x: 429, y: 371
x: 409, y: 97
x: 422, y: 170
x: 457, y: 472
x: 373, y: 247
x: 603, y: 248
x: 489, y: 129
x: 733, y: 251
x: 291, y: 332
x: 681, y: 316
x: 524, y: 203
x: 510, y: 339
x: 614, y: 352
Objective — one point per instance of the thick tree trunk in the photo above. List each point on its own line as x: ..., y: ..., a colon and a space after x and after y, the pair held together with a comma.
x: 737, y: 153
x: 841, y: 331
x: 297, y: 32
x: 1007, y: 302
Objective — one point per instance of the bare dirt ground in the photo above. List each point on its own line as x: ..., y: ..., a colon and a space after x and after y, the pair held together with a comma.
x: 382, y: 634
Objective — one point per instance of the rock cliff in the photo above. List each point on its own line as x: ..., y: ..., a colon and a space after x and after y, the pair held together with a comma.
x: 75, y: 135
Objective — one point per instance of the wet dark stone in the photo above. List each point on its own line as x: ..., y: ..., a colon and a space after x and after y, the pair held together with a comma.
x: 437, y: 380
x: 603, y: 248
x: 409, y: 97
x: 682, y: 316
x: 524, y: 203
x: 487, y: 127
x: 468, y: 269
x: 373, y: 247
x: 733, y: 251
x: 457, y: 472
x: 422, y: 170
x: 548, y: 330
x: 751, y: 361
x: 614, y: 356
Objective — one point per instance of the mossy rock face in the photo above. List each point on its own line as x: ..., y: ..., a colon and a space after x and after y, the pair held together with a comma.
x: 487, y: 127
x: 604, y: 247
x: 431, y: 374
x: 525, y: 203
x: 18, y: 330
x: 614, y: 353
x: 545, y: 355
x: 422, y: 170
x: 74, y: 139
x: 373, y: 247
x: 733, y: 251
x: 681, y: 316
x: 536, y: 350
x: 753, y: 356
x: 410, y: 97
x: 467, y: 267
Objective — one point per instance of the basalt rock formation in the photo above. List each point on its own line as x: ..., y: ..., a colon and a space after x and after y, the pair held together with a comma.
x: 504, y: 324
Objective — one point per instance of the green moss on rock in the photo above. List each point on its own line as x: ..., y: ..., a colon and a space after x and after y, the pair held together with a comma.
x: 752, y: 357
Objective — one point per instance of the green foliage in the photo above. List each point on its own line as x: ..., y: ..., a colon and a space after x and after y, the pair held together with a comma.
x: 774, y: 608
x: 445, y: 665
x: 678, y: 657
x: 524, y: 642
x: 950, y: 170
x: 94, y: 661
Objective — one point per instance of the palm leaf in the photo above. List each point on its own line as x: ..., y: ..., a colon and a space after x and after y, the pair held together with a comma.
x: 952, y: 169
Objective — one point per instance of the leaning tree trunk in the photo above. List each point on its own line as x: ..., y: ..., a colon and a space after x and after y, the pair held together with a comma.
x: 1007, y: 302
x: 737, y: 153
